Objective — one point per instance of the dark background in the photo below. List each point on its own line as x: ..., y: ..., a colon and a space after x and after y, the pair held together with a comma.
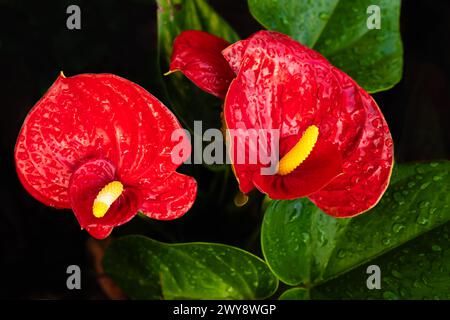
x: 38, y: 243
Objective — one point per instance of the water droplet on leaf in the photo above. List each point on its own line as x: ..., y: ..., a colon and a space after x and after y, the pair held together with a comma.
x: 389, y: 295
x: 341, y: 254
x: 422, y: 219
x: 425, y: 185
x: 436, y: 248
x: 324, y: 16
x: 396, y: 274
x: 397, y: 227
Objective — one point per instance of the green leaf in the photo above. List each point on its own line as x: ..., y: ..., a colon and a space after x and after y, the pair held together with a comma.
x: 418, y: 270
x: 301, y: 19
x: 188, y: 102
x: 302, y: 245
x: 295, y: 294
x: 148, y: 269
x: 338, y: 29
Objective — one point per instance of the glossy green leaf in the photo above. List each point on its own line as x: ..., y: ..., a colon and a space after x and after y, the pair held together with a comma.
x: 295, y: 294
x: 189, y: 102
x: 147, y: 269
x: 301, y: 19
x: 302, y: 245
x: 418, y: 270
x: 339, y: 30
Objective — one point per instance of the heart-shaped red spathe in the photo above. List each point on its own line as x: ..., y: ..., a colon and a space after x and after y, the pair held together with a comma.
x: 290, y: 87
x: 197, y: 55
x: 92, y: 129
x: 282, y: 85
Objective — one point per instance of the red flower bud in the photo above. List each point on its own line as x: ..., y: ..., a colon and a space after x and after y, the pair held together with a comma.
x: 197, y: 55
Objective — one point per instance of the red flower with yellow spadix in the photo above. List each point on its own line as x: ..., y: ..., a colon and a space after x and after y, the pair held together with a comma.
x: 101, y: 145
x: 334, y: 143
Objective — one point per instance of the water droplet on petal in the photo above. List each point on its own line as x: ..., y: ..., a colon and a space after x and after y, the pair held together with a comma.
x: 376, y: 122
x: 388, y: 142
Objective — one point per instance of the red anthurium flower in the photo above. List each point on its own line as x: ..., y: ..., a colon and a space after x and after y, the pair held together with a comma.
x: 101, y: 145
x: 334, y: 144
x: 197, y: 55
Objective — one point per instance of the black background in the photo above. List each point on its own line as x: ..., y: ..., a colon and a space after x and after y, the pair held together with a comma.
x: 38, y: 243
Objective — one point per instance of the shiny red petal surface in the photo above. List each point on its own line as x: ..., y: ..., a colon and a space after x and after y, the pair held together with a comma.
x: 283, y: 85
x: 93, y: 116
x: 322, y: 166
x: 198, y: 55
x: 368, y: 156
x: 99, y: 232
x: 168, y: 198
x: 85, y: 183
x: 234, y: 54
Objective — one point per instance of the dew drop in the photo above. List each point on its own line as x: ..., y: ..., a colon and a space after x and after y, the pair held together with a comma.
x: 354, y: 180
x: 436, y: 248
x: 424, y: 185
x: 424, y: 204
x: 420, y: 170
x: 398, y: 227
x: 396, y: 274
x: 425, y: 280
x: 434, y: 164
x: 422, y: 219
x: 376, y: 122
x: 324, y: 16
x: 305, y: 237
x: 389, y: 295
x: 294, y: 215
x: 399, y: 198
x: 388, y: 142
x: 323, y: 240
x: 403, y: 292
